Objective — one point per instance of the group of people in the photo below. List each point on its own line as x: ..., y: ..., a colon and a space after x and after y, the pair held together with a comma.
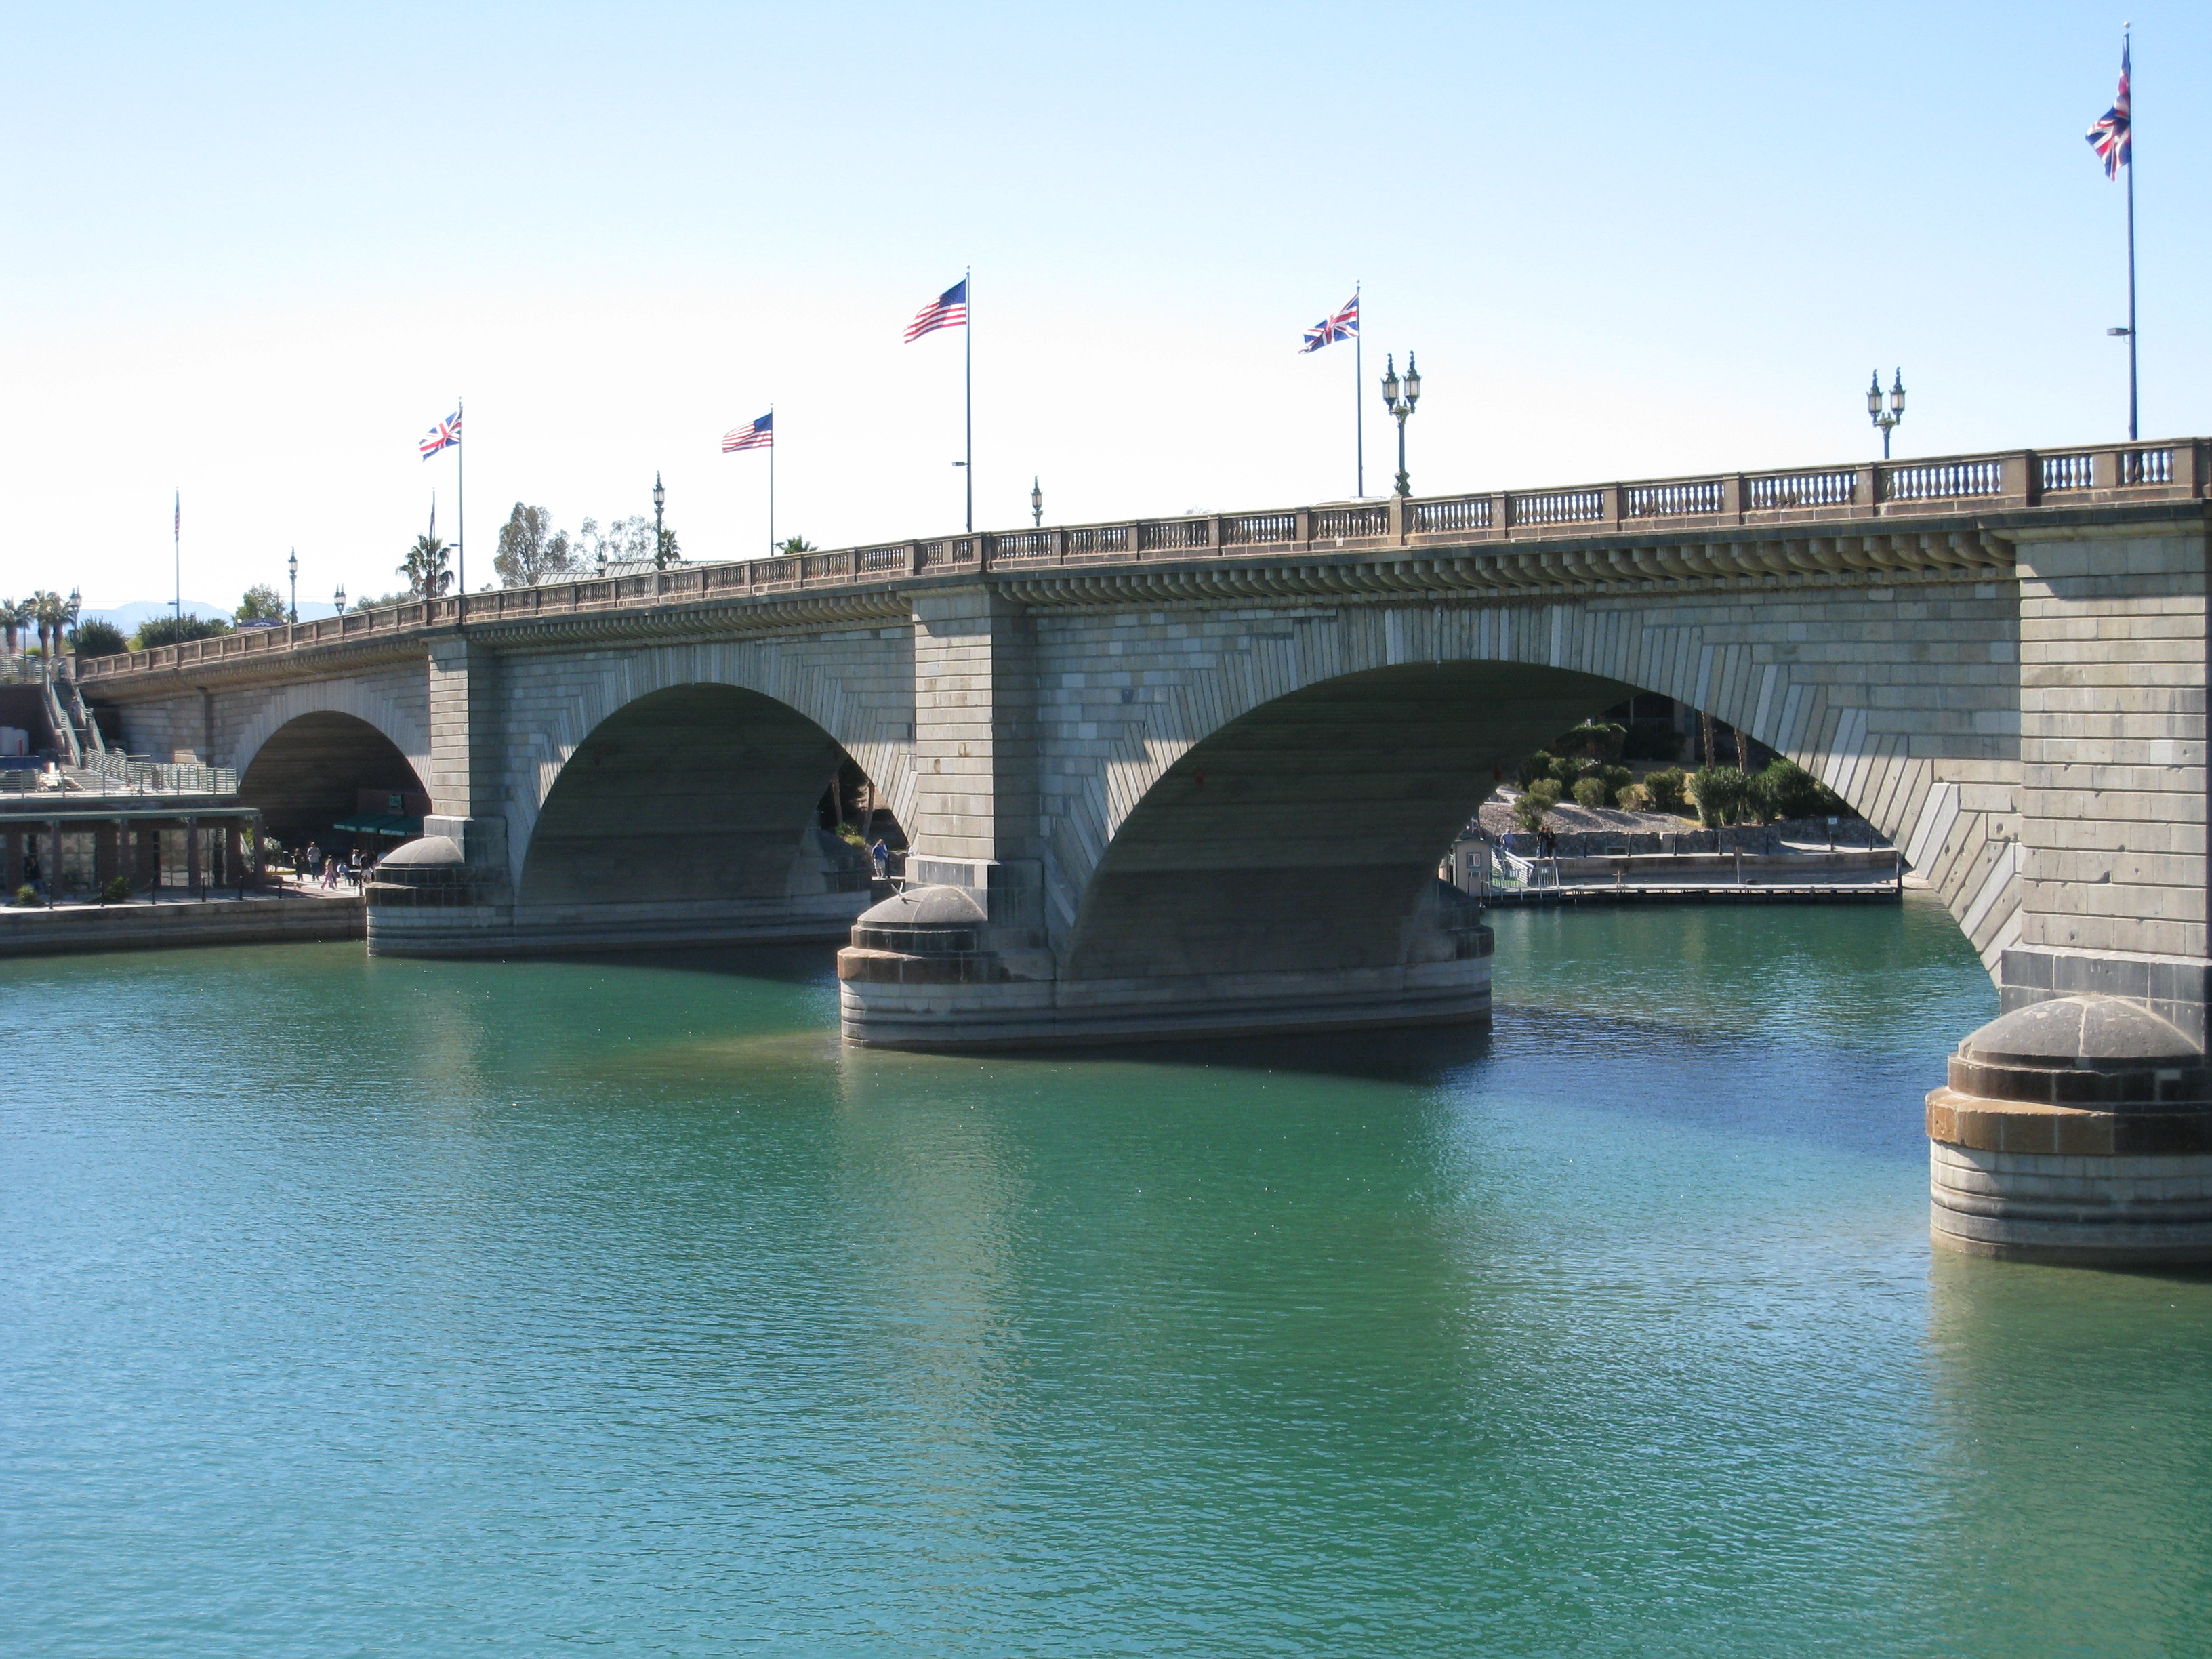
x: 332, y: 870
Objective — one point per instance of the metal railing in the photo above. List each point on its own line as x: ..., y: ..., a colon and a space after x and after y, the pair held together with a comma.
x: 1871, y: 491
x: 163, y: 777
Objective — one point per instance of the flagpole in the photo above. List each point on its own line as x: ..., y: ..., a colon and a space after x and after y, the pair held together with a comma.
x: 461, y: 509
x: 2125, y: 55
x: 968, y: 351
x: 1359, y: 409
x: 771, y: 480
x: 177, y: 553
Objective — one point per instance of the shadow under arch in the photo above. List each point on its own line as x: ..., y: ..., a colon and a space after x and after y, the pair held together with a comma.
x: 688, y: 816
x: 309, y: 773
x: 1305, y: 833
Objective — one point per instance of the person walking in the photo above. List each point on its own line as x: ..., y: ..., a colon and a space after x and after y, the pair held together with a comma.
x: 311, y: 862
x: 880, y: 853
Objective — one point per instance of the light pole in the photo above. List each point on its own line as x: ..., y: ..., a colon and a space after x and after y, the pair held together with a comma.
x: 292, y: 564
x: 339, y: 598
x: 659, y: 541
x: 1400, y: 403
x: 1037, y: 503
x: 1887, y: 421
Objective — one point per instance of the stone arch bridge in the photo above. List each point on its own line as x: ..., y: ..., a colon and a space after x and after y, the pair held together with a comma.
x: 1195, y: 774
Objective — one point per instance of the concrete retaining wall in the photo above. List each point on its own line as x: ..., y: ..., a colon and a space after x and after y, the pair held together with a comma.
x: 141, y: 927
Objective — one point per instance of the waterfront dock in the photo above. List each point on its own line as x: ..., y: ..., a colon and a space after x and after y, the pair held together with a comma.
x: 174, y: 917
x: 1870, y: 876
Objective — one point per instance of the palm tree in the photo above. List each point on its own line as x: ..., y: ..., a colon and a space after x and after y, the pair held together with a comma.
x: 66, y: 617
x: 425, y: 567
x: 46, y: 612
x: 16, y: 616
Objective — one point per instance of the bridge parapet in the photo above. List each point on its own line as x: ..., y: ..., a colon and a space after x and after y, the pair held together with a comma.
x: 1656, y: 510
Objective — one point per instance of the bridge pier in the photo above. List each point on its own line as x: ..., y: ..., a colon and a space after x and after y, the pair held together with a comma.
x: 920, y: 973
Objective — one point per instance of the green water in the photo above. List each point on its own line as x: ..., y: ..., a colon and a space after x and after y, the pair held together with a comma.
x: 370, y: 1307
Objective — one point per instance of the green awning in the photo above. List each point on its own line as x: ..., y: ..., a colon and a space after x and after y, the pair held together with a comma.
x: 380, y: 824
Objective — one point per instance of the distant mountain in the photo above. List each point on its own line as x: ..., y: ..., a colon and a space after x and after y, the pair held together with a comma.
x: 128, y: 616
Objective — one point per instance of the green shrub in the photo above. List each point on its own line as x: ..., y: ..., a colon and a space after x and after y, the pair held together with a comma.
x: 26, y: 894
x: 1652, y: 740
x: 95, y: 638
x: 1665, y: 789
x: 1539, y: 798
x: 1592, y: 791
x: 1634, y: 799
x: 115, y: 890
x: 1617, y: 778
x: 172, y: 631
x: 1787, y: 790
x: 1723, y: 794
x: 1593, y: 740
x: 1537, y: 765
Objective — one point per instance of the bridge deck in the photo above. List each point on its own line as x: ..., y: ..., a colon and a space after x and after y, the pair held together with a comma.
x: 1860, y: 516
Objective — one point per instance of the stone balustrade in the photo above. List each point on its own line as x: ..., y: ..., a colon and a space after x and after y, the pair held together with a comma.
x: 1818, y: 498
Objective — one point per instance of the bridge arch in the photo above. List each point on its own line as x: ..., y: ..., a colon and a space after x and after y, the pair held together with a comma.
x: 306, y: 771
x: 1357, y: 738
x: 856, y: 690
x: 366, y: 702
x: 689, y: 813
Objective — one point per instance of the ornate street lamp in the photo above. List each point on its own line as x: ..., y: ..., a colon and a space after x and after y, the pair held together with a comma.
x: 339, y: 598
x: 292, y: 564
x: 1399, y: 398
x: 659, y: 541
x: 1887, y: 421
x: 1037, y: 503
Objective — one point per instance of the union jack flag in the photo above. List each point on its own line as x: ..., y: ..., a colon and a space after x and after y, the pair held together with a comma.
x: 761, y: 434
x: 2109, y: 137
x: 948, y: 310
x: 447, y: 431
x: 1329, y: 330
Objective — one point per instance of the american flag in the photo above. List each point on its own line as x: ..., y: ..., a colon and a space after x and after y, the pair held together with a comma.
x: 948, y: 310
x: 447, y: 431
x: 761, y: 434
x: 2109, y: 137
x: 1342, y: 326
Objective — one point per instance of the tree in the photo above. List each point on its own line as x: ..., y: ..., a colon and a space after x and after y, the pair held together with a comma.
x: 667, y: 553
x: 531, y: 550
x: 795, y: 544
x: 99, y: 638
x: 261, y: 602
x: 51, y: 614
x: 1539, y: 798
x: 424, y: 567
x: 16, y: 616
x: 1723, y: 794
x: 175, y: 630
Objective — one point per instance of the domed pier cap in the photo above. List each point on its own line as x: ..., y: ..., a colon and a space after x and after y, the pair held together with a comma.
x: 924, y: 921
x: 429, y: 852
x: 2092, y: 1053
x: 924, y: 906
x: 2095, y: 1033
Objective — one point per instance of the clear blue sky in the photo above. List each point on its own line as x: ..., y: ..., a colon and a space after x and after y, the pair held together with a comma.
x: 256, y: 252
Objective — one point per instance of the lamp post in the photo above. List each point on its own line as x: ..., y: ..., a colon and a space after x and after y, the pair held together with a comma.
x: 659, y: 541
x: 339, y: 598
x: 1037, y: 503
x: 292, y: 564
x: 1887, y: 420
x: 1399, y: 398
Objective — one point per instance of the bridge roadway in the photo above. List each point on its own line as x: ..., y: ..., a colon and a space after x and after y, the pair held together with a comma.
x: 1194, y: 775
